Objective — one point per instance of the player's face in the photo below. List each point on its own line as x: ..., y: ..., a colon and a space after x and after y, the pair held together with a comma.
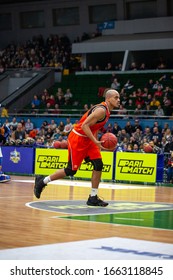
x: 115, y: 100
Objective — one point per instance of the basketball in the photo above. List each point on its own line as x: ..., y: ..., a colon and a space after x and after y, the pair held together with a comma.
x: 110, y: 141
x: 147, y: 148
x: 57, y: 144
x: 63, y: 144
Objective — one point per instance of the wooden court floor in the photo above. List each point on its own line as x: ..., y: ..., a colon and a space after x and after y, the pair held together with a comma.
x: 22, y: 226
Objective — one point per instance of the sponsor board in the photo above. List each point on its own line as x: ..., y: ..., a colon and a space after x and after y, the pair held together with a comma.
x: 136, y: 167
x: 48, y: 161
x: 18, y: 160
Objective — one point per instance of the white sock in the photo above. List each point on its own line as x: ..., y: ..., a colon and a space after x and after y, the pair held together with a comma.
x: 47, y: 180
x: 94, y: 191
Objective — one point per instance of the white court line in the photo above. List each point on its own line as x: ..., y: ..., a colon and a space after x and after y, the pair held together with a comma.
x: 88, y: 184
x: 128, y: 219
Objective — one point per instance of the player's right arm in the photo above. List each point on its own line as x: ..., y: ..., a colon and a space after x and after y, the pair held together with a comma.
x: 92, y: 119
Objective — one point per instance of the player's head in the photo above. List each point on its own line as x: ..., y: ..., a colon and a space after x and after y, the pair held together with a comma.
x: 112, y: 97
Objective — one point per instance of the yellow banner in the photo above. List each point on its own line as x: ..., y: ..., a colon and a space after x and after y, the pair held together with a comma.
x: 136, y: 167
x: 85, y: 170
x: 47, y: 161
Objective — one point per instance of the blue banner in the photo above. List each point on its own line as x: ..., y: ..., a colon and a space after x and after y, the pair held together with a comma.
x: 18, y: 160
x: 106, y: 25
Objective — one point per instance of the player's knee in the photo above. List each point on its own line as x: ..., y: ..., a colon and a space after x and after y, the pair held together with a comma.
x: 69, y: 171
x: 98, y: 164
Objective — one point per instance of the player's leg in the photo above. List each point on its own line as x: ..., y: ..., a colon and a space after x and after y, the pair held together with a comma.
x: 97, y: 162
x: 41, y: 181
x: 74, y: 160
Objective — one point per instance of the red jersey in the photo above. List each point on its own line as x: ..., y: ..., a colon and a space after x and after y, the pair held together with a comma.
x: 97, y: 126
x: 79, y: 145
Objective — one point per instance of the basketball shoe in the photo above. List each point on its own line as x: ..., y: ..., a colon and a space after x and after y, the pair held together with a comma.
x: 4, y: 178
x: 39, y: 186
x: 96, y: 201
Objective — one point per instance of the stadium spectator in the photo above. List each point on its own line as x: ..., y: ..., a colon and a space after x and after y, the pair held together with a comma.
x: 115, y: 84
x: 168, y: 92
x: 147, y: 133
x: 165, y: 126
x: 61, y: 127
x: 148, y: 99
x: 19, y: 134
x: 109, y: 128
x: 109, y: 67
x: 116, y: 128
x: 158, y: 92
x: 167, y: 106
x: 137, y: 135
x: 159, y: 111
x: 130, y: 106
x: 4, y: 111
x: 136, y: 148
x: 51, y: 101
x: 28, y: 126
x: 52, y: 125
x: 155, y: 103
x: 168, y: 134
x: 68, y: 97
x: 85, y: 108
x: 123, y: 134
x: 169, y: 146
x: 157, y: 84
x: 35, y: 101
x: 137, y: 125
x: 156, y: 124
x: 68, y: 126
x: 138, y: 110
x: 43, y: 101
x: 156, y: 134
x: 128, y: 85
x: 13, y: 124
x: 133, y: 66
x: 150, y: 84
x: 170, y: 169
x: 129, y: 128
x: 139, y: 101
x: 56, y: 110
x: 142, y: 66
x: 39, y: 141
x: 122, y: 110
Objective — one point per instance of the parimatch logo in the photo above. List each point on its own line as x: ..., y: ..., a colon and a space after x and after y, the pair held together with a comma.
x: 134, y: 167
x: 89, y: 167
x: 52, y: 162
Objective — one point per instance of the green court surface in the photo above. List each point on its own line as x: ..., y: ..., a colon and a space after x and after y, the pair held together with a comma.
x: 152, y: 219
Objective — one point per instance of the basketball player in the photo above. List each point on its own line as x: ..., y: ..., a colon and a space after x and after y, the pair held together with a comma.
x: 83, y: 144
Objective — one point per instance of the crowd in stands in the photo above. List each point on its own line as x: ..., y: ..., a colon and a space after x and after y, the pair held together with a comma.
x: 152, y: 98
x: 49, y: 103
x: 56, y: 51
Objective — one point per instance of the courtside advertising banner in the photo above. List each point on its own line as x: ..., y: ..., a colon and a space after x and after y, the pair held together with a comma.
x: 136, y: 167
x: 85, y: 170
x: 18, y: 160
x: 47, y: 161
